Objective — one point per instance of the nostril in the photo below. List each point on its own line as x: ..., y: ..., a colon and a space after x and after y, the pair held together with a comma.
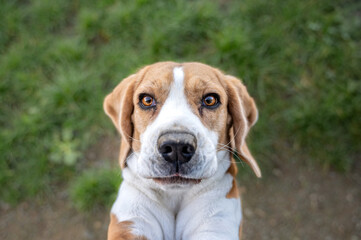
x: 188, y: 149
x: 167, y: 149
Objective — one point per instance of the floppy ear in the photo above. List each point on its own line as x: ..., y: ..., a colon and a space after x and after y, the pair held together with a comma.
x: 118, y: 105
x: 243, y: 111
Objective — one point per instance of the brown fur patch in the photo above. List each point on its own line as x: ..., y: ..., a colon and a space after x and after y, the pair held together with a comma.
x: 233, y: 193
x: 240, y: 230
x: 201, y: 80
x: 119, y: 107
x: 242, y: 121
x: 121, y: 230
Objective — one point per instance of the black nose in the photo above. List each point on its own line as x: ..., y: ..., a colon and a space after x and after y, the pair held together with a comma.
x: 176, y: 152
x: 177, y: 147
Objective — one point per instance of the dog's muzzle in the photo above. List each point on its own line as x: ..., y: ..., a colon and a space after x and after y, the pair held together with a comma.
x: 177, y: 148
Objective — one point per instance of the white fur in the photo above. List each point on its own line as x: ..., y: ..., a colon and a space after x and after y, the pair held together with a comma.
x: 197, y: 212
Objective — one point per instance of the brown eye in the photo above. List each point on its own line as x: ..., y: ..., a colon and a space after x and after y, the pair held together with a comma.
x: 210, y: 100
x: 146, y: 101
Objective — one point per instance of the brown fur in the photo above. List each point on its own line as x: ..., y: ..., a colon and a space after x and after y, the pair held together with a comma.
x: 200, y: 80
x: 121, y: 230
x: 233, y: 193
x: 120, y: 101
x: 238, y: 98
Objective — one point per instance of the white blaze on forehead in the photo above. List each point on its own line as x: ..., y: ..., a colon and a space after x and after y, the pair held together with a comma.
x: 176, y: 103
x: 176, y: 108
x: 178, y: 76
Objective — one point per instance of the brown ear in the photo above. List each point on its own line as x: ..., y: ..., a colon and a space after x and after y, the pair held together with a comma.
x: 243, y: 111
x: 118, y: 105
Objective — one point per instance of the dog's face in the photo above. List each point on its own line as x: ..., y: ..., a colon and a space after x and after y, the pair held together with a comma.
x: 175, y: 118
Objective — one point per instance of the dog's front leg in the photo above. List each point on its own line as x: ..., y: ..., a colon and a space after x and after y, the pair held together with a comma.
x: 217, y: 219
x: 136, y: 217
x: 211, y: 214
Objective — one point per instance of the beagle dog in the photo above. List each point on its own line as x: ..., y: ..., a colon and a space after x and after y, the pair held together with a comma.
x: 180, y: 125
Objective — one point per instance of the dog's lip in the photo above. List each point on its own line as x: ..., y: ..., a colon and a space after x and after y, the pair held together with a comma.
x: 176, y: 179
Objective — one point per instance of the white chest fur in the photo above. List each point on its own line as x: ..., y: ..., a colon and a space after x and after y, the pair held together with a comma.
x: 200, y: 212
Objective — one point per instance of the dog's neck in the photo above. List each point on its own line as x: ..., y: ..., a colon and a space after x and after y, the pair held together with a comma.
x: 174, y: 198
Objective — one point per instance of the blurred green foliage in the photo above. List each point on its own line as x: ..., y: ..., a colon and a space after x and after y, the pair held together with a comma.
x: 58, y: 59
x: 95, y: 188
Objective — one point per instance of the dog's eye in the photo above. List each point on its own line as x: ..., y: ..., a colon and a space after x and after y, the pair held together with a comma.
x: 146, y: 101
x: 210, y: 100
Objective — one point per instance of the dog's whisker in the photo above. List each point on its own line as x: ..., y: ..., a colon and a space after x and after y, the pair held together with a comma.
x: 233, y: 153
x: 132, y: 138
x: 225, y: 146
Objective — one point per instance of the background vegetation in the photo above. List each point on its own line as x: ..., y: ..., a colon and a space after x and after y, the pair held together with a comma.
x: 58, y: 59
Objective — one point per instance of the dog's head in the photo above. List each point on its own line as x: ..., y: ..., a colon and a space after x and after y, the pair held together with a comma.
x: 174, y: 119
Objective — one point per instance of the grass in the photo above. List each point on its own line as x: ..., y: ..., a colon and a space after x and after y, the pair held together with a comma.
x: 95, y: 188
x: 299, y: 59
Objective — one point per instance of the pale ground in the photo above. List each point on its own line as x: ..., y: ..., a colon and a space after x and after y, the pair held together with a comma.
x: 295, y: 202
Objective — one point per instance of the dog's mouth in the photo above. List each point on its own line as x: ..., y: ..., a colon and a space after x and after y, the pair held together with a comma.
x: 176, y: 179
